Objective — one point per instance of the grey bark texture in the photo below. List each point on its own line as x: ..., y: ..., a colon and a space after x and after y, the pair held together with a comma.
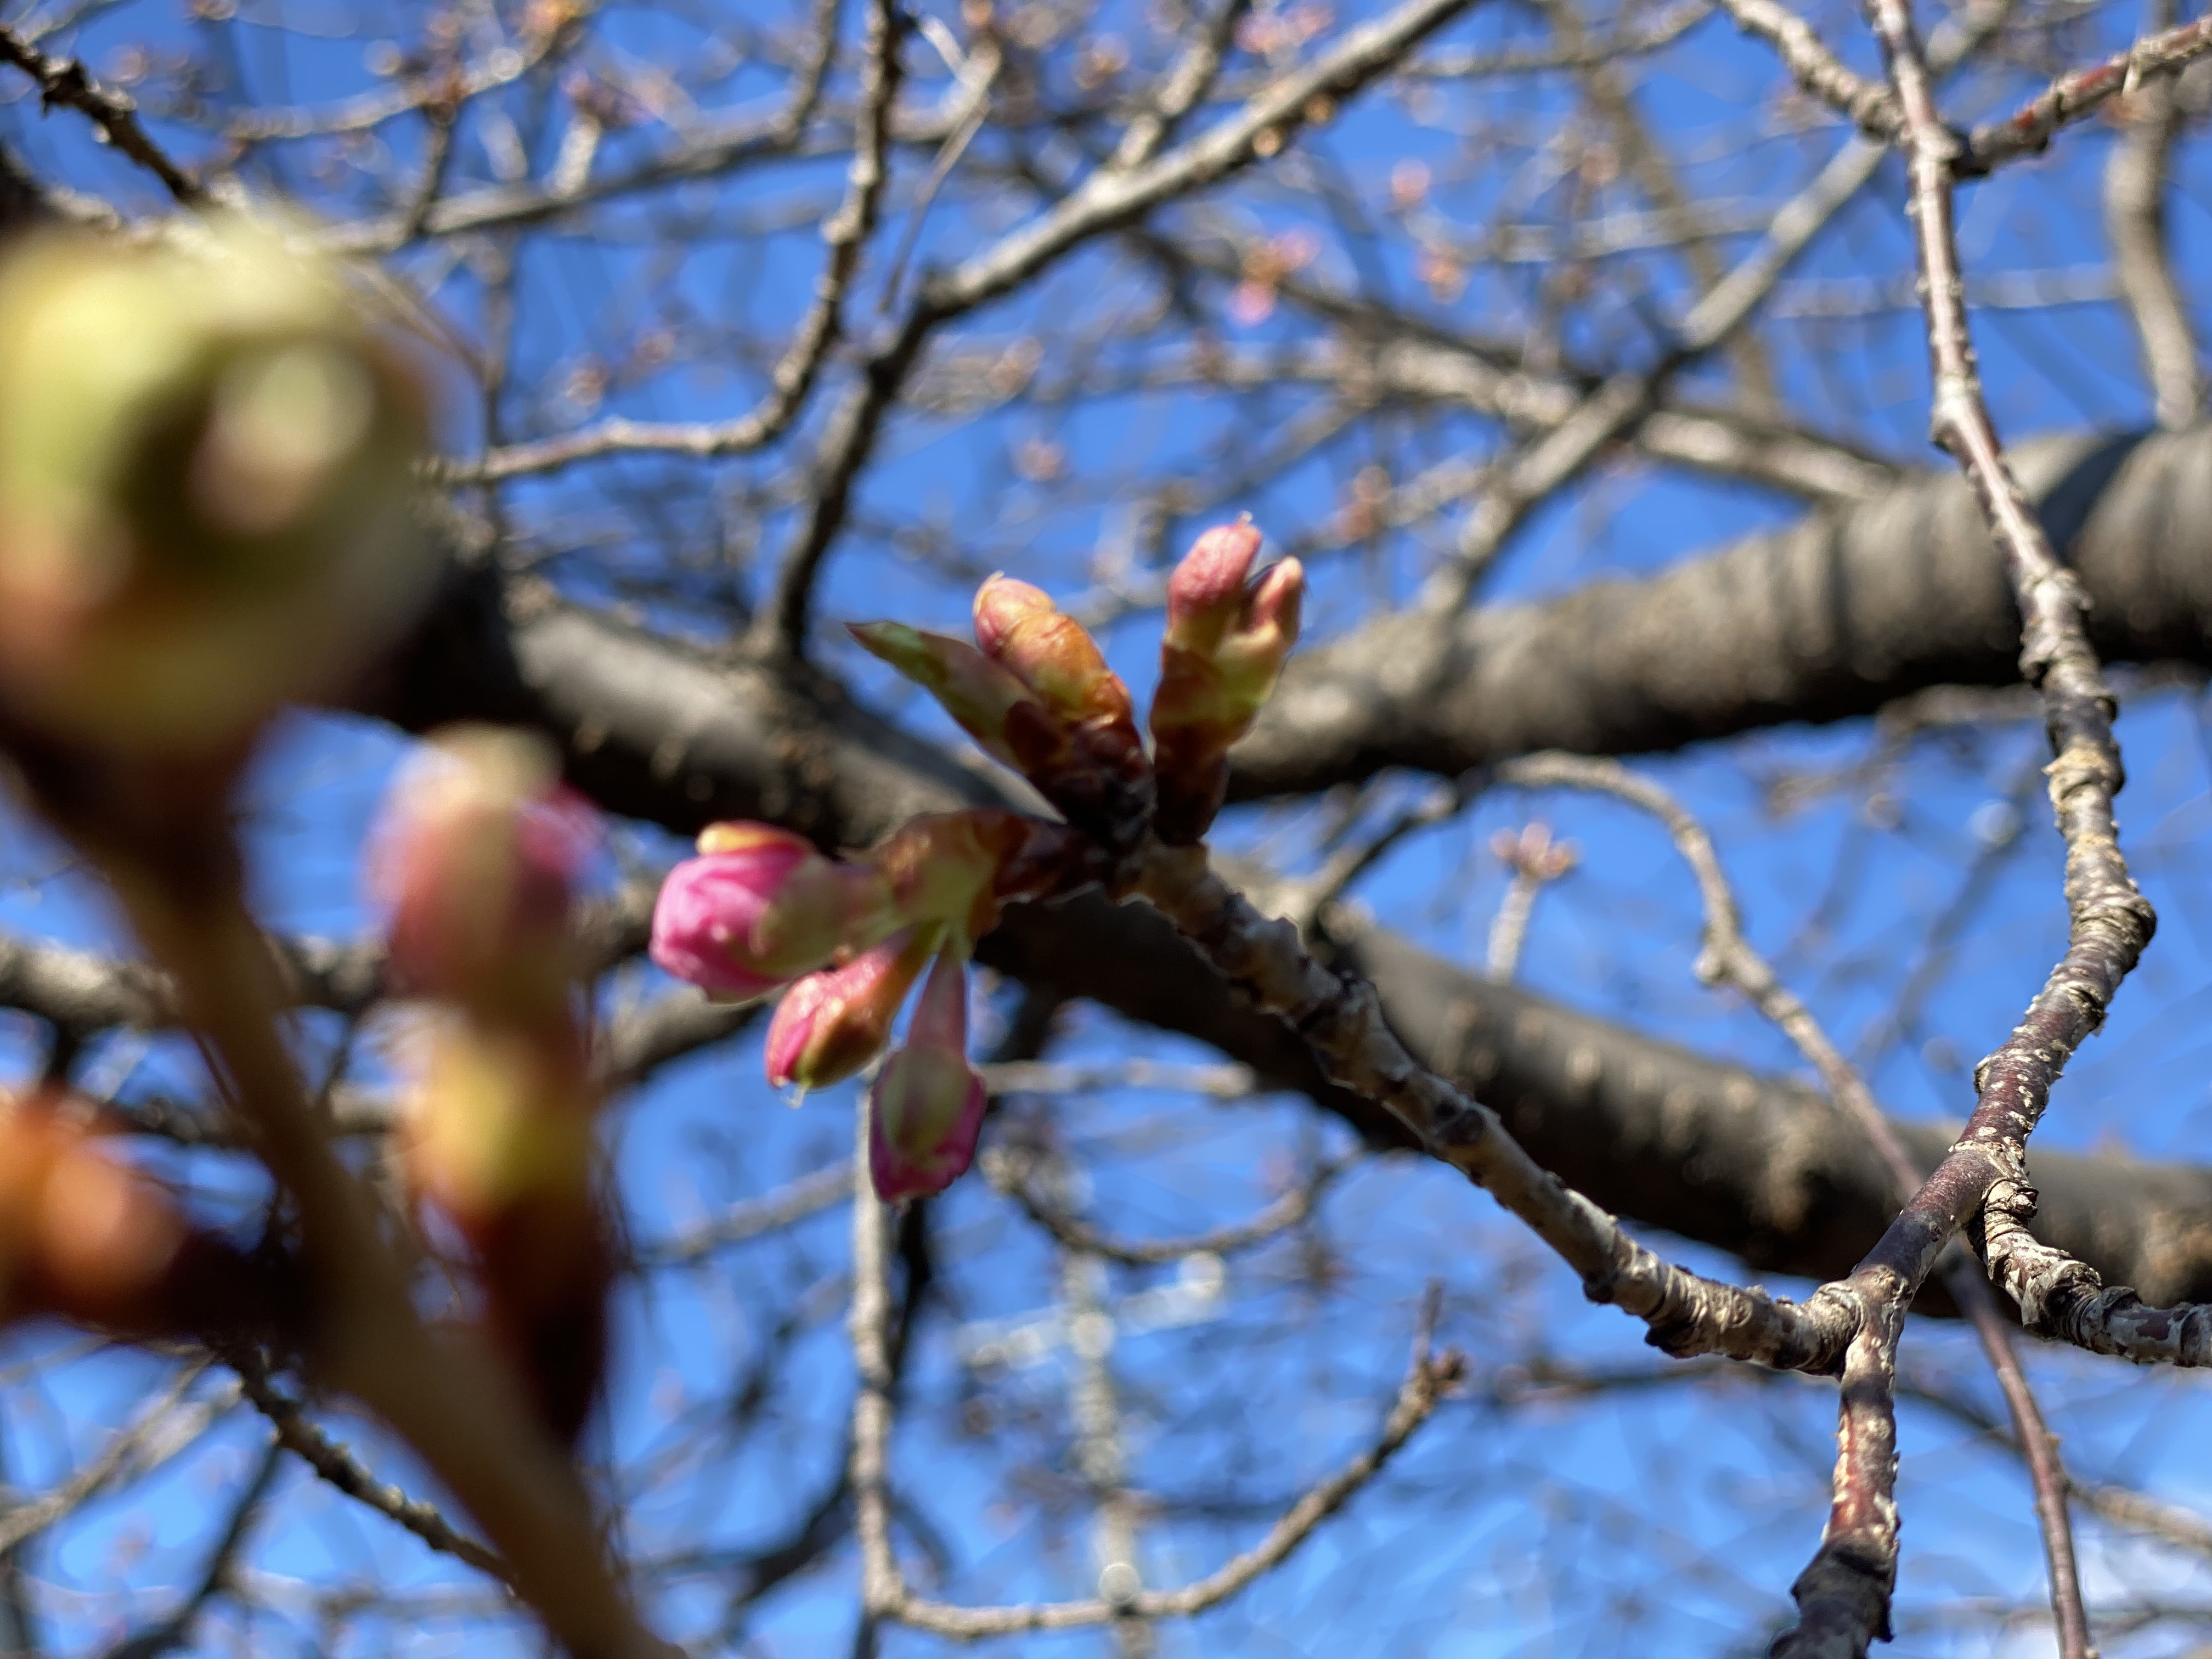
x: 1825, y: 620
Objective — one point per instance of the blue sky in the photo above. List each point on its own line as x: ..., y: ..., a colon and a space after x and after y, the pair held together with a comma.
x: 1658, y: 1518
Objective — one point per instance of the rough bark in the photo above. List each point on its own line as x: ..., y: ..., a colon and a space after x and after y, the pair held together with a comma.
x: 1825, y: 620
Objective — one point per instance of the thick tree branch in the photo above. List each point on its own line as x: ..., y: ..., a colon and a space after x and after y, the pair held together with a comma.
x: 1827, y: 620
x: 1645, y: 1128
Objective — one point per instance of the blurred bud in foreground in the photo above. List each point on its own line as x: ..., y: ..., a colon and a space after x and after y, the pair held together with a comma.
x: 500, y: 1141
x: 830, y: 1024
x: 929, y: 1102
x: 1078, y: 741
x: 759, y: 907
x: 85, y: 1237
x: 477, y: 858
x: 205, y: 500
x: 81, y: 1235
x: 1226, y: 640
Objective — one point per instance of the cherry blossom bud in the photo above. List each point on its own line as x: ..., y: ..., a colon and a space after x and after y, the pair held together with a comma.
x: 760, y: 906
x: 500, y: 1143
x: 1020, y: 628
x: 1205, y: 591
x: 1225, y: 644
x: 929, y: 1102
x: 830, y: 1024
x: 206, y: 507
x: 477, y: 858
x: 977, y: 692
x: 1084, y: 754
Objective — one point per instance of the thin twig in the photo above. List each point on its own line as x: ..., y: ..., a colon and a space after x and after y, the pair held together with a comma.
x: 114, y: 114
x: 340, y: 1469
x: 1533, y: 471
x: 844, y: 235
x: 1013, y: 1175
x: 1190, y: 79
x: 1105, y: 201
x: 2135, y: 176
x: 1339, y: 1018
x: 1727, y: 957
x: 885, y: 1592
x: 2073, y: 96
x: 163, y: 1429
x: 175, y: 1630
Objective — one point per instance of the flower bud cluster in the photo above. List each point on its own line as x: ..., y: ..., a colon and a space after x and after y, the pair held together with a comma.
x: 758, y: 907
x: 761, y: 912
x: 477, y: 862
x: 1226, y: 640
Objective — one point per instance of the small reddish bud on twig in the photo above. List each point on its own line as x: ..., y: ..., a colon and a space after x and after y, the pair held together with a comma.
x: 82, y: 1236
x: 928, y: 1101
x: 1227, y: 638
x: 830, y: 1024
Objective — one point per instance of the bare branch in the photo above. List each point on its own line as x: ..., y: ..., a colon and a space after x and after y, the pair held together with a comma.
x: 844, y: 234
x: 1341, y: 1021
x: 2071, y: 97
x: 2134, y: 220
x: 1729, y: 957
x: 339, y: 1468
x: 885, y: 1593
x: 66, y: 81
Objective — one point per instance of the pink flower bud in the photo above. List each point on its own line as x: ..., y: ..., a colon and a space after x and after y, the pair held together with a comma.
x: 759, y: 907
x: 1078, y: 742
x: 1205, y: 593
x: 1225, y: 648
x: 477, y: 856
x: 830, y: 1024
x: 1018, y: 626
x: 1252, y: 654
x: 929, y: 1102
x: 975, y: 691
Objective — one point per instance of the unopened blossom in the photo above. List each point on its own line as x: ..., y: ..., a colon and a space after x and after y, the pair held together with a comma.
x: 206, y: 508
x: 831, y: 1023
x: 500, y: 1141
x: 926, y: 1109
x: 477, y: 858
x: 1018, y: 627
x: 759, y: 907
x: 1226, y: 640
